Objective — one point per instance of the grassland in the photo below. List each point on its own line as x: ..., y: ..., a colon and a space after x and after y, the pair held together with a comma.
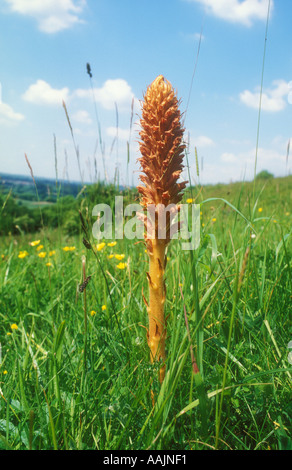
x: 74, y: 363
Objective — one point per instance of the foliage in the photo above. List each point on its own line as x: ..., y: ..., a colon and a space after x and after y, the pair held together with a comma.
x: 75, y: 371
x: 264, y: 175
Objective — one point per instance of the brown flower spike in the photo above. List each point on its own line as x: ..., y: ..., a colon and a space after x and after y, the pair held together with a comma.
x: 162, y: 149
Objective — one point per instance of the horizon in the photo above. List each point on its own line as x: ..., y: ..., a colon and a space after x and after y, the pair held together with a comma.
x: 75, y: 182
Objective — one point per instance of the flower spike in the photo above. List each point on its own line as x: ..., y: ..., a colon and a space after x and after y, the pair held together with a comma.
x: 162, y: 150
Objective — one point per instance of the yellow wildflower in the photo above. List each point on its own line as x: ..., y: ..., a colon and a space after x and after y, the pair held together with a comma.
x: 112, y: 244
x: 42, y: 254
x: 69, y: 248
x: 49, y: 265
x: 119, y: 257
x: 34, y: 243
x: 51, y: 253
x: 14, y: 326
x: 23, y: 254
x: 214, y: 219
x: 260, y: 209
x: 40, y: 247
x: 92, y: 313
x: 103, y: 308
x: 100, y: 246
x: 212, y: 324
x: 5, y: 372
x: 121, y: 265
x: 190, y: 200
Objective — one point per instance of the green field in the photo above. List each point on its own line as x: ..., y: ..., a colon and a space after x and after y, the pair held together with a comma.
x: 74, y: 364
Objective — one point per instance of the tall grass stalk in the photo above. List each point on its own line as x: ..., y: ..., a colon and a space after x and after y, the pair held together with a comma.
x: 90, y: 247
x: 76, y: 148
x: 82, y: 288
x: 101, y: 144
x: 261, y: 95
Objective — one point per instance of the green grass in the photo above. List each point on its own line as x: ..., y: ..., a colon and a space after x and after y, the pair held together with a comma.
x: 73, y: 379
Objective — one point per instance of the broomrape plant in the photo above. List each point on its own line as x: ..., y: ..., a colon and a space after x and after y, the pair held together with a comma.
x: 162, y: 148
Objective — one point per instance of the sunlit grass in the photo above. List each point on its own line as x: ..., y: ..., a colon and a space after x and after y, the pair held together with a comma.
x: 51, y: 398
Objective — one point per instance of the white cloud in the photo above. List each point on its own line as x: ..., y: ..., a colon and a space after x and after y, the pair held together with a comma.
x: 123, y: 134
x: 8, y: 115
x: 43, y: 94
x: 273, y: 99
x: 267, y: 158
x: 113, y: 91
x: 228, y: 157
x: 198, y: 141
x: 239, y: 165
x: 237, y: 11
x: 51, y: 15
x: 193, y: 36
x: 290, y: 93
x: 82, y: 116
x: 203, y: 141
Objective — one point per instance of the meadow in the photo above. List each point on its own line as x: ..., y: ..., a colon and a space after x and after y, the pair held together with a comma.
x: 74, y: 360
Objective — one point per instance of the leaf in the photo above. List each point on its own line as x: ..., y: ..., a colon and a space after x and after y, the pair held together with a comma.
x: 57, y: 349
x: 232, y: 207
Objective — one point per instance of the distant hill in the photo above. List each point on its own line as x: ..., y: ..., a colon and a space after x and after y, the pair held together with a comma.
x: 57, y: 204
x: 23, y: 187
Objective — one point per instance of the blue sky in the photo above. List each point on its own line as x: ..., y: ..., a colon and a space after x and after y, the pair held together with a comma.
x: 45, y: 45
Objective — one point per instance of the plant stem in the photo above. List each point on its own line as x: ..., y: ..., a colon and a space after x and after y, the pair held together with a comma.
x: 85, y: 314
x: 235, y: 299
x: 157, y: 324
